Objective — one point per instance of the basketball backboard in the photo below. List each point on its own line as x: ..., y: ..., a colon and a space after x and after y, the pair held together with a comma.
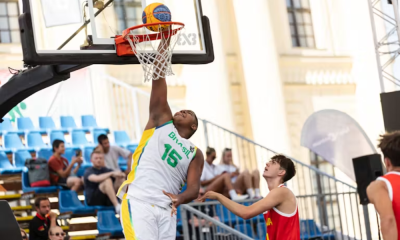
x: 54, y: 31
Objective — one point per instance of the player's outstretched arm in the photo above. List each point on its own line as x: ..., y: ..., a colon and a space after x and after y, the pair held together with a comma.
x: 160, y: 111
x: 379, y: 196
x: 273, y: 199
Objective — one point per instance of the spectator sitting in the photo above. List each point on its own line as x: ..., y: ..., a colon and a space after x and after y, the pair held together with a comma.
x: 242, y: 182
x: 102, y: 183
x: 23, y: 234
x: 112, y: 153
x: 44, y: 219
x: 212, y: 181
x: 56, y: 233
x: 60, y: 170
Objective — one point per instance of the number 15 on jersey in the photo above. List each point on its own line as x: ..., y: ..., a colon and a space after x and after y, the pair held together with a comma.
x: 172, y: 155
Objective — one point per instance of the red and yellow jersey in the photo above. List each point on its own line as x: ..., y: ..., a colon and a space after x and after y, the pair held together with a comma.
x: 282, y: 226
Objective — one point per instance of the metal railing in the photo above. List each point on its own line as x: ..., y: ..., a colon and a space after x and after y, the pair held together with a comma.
x: 332, y: 204
x: 198, y: 225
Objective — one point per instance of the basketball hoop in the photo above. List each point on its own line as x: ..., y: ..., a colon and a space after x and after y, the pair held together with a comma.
x: 153, y: 50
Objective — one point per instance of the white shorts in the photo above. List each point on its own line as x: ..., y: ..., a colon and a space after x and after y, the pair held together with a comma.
x: 143, y: 221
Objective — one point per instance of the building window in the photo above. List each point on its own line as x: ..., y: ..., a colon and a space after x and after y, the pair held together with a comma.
x: 9, y: 26
x: 129, y: 13
x: 301, y: 27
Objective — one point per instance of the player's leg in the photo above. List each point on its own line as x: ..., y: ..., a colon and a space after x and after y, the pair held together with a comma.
x: 139, y: 220
x: 256, y: 183
x: 166, y: 225
x: 74, y: 183
x: 244, y: 184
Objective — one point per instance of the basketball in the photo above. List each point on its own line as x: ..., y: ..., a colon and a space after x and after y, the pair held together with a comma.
x: 156, y: 13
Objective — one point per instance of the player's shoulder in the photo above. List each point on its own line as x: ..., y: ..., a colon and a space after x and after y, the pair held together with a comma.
x: 284, y: 191
x: 376, y: 185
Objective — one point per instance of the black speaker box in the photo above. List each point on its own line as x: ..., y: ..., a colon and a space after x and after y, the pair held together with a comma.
x: 391, y: 110
x: 367, y: 169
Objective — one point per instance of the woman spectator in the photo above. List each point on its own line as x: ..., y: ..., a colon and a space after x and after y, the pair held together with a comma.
x: 244, y: 182
x: 211, y: 180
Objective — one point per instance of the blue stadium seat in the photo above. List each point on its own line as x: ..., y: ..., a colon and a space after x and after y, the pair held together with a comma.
x: 99, y: 208
x: 79, y: 139
x: 122, y: 139
x: 45, y: 153
x: 6, y: 167
x: 310, y: 230
x: 25, y: 124
x: 245, y: 229
x: 108, y: 223
x: 20, y: 158
x: 132, y: 147
x: 227, y: 216
x: 89, y: 121
x: 26, y: 186
x: 12, y: 143
x: 86, y: 154
x: 96, y: 133
x: 68, y: 122
x: 261, y: 231
x: 35, y: 141
x: 7, y: 127
x: 122, y: 162
x: 47, y: 123
x: 69, y: 202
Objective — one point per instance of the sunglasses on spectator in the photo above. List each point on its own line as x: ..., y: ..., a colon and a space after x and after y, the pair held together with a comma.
x: 62, y: 234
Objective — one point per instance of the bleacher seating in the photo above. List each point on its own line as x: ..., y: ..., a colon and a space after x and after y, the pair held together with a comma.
x: 122, y: 139
x: 99, y: 208
x: 69, y: 202
x: 108, y: 223
x: 12, y: 143
x: 310, y: 230
x: 227, y: 216
x: 246, y: 229
x: 7, y: 127
x: 35, y: 141
x: 90, y: 122
x: 45, y: 153
x: 26, y: 186
x: 79, y: 139
x: 20, y: 158
x: 68, y: 122
x: 6, y: 167
x: 96, y: 133
x: 261, y: 230
x: 25, y: 124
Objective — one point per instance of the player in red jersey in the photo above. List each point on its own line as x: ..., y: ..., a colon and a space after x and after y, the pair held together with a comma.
x: 384, y: 193
x: 279, y: 206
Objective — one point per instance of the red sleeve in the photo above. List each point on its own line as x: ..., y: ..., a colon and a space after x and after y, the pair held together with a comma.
x: 55, y: 164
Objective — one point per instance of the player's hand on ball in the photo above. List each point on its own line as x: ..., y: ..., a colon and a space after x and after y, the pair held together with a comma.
x: 175, y: 202
x: 209, y: 195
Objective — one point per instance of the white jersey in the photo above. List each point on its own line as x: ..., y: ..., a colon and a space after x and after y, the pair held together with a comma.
x: 159, y: 163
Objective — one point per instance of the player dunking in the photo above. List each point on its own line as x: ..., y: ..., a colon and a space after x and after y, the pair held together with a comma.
x: 279, y: 206
x: 164, y: 160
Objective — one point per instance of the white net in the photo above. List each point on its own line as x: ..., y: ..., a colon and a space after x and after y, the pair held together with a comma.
x: 154, y: 50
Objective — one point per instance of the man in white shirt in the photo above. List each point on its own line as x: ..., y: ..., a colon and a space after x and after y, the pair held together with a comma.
x: 212, y: 180
x: 112, y: 153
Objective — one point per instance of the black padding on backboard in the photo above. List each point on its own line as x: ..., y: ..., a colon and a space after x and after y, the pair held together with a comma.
x: 9, y: 228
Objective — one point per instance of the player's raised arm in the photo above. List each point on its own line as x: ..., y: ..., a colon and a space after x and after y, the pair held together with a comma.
x: 160, y: 111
